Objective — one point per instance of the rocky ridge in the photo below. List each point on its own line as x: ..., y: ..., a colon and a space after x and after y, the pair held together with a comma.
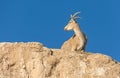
x: 33, y: 60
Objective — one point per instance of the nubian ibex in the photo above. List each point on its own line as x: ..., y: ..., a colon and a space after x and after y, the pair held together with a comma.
x: 78, y: 41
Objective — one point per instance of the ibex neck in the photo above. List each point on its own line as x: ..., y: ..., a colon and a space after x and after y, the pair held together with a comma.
x: 77, y: 30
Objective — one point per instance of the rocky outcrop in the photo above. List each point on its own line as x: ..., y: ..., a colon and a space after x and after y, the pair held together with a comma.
x: 33, y: 60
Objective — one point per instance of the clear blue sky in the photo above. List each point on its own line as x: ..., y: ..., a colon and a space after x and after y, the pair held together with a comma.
x: 43, y: 21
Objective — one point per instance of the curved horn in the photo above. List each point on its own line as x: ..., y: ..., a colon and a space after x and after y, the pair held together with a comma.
x: 75, y: 14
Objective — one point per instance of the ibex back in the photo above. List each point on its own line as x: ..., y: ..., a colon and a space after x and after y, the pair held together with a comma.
x: 79, y: 40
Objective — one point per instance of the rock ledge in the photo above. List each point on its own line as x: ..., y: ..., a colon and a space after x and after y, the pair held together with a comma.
x: 33, y: 60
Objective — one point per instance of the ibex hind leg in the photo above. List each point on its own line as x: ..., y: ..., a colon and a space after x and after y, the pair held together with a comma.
x: 73, y: 49
x: 81, y: 49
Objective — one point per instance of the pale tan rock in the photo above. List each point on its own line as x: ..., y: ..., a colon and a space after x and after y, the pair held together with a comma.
x: 33, y: 60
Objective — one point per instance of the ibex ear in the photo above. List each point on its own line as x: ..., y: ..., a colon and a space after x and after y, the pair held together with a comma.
x: 77, y: 17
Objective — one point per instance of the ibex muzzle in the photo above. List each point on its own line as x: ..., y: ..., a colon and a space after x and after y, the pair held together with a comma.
x: 70, y: 25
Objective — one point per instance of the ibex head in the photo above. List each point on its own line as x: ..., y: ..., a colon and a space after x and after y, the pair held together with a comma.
x: 72, y: 22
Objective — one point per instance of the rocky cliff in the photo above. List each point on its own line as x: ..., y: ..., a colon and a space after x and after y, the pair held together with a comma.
x: 33, y: 60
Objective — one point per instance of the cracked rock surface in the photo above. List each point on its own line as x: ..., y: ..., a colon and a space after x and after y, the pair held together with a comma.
x: 33, y: 60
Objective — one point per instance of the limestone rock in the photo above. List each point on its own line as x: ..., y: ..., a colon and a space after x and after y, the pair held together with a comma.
x: 33, y: 60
